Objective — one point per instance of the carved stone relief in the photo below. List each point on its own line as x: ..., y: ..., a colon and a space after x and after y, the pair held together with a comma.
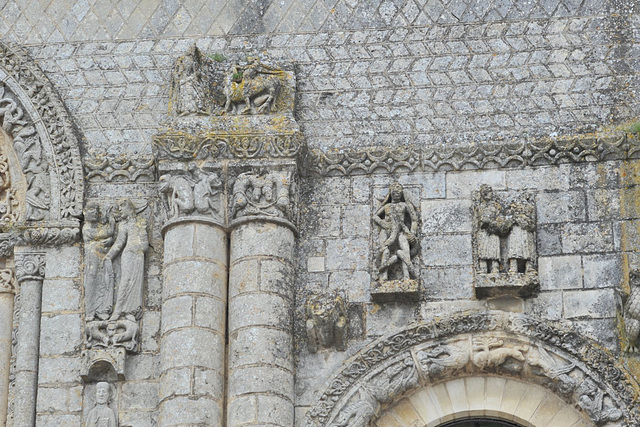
x: 262, y: 192
x: 511, y: 345
x: 504, y: 240
x: 113, y: 299
x: 108, y: 169
x: 25, y: 100
x: 253, y: 88
x: 102, y: 414
x: 7, y: 281
x: 631, y: 314
x: 191, y: 88
x: 397, y: 247
x: 326, y: 322
x: 195, y: 193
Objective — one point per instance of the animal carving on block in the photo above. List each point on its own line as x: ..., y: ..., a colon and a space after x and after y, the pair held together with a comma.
x: 254, y: 86
x: 491, y: 353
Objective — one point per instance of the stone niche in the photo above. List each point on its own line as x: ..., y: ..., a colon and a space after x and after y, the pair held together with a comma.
x: 504, y: 244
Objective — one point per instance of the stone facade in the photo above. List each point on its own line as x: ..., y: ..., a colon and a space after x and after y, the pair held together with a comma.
x: 319, y: 213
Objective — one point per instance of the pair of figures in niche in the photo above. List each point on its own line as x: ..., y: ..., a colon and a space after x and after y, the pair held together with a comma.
x: 116, y: 242
x: 505, y: 233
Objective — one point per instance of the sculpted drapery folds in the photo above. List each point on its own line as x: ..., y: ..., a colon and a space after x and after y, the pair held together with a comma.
x: 398, y: 222
x: 98, y: 232
x: 131, y: 244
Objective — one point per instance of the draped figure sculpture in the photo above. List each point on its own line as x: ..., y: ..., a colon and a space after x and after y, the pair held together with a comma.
x: 102, y: 415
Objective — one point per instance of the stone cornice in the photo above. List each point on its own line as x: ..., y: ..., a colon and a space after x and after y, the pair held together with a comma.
x: 508, y: 154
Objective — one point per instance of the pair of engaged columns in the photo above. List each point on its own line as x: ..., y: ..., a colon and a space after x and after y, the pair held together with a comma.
x: 249, y: 353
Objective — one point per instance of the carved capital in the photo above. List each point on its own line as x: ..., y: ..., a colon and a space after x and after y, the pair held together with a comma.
x: 7, y: 281
x: 48, y: 236
x: 29, y: 266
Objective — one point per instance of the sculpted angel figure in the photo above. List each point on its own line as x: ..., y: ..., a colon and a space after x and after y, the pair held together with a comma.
x: 102, y: 415
x: 398, y: 224
x: 98, y: 233
x: 131, y: 244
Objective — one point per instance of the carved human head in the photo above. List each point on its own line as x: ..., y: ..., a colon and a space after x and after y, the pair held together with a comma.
x: 126, y: 208
x: 92, y: 212
x: 396, y: 192
x: 102, y: 393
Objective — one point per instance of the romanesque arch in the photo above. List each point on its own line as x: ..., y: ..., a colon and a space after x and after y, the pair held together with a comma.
x: 41, y: 133
x: 419, y: 367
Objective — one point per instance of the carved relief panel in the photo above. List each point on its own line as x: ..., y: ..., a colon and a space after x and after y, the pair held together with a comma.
x: 504, y: 243
x: 326, y: 322
x: 396, y: 246
x: 116, y: 241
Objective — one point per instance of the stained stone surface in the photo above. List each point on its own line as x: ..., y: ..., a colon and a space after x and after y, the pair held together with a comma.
x: 535, y: 97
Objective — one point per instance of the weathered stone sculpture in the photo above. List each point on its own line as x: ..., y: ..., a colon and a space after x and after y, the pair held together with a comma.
x: 102, y: 415
x: 631, y: 314
x: 97, y: 232
x: 397, y: 221
x: 254, y: 85
x: 504, y: 244
x: 262, y: 193
x: 195, y: 194
x: 9, y: 202
x: 131, y: 245
x: 109, y: 324
x: 592, y: 400
x: 190, y: 90
x: 326, y: 322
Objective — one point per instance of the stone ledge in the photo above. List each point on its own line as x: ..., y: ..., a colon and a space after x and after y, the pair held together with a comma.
x: 499, y: 284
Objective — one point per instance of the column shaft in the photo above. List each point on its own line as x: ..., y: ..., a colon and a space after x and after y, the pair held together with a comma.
x: 27, y: 353
x: 193, y: 324
x: 6, y: 325
x: 260, y: 362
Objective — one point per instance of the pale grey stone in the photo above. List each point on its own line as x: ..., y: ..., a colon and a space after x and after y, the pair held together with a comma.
x: 560, y: 272
x: 261, y: 239
x: 347, y: 254
x: 589, y: 303
x: 445, y: 216
x: 315, y: 264
x: 275, y: 410
x: 63, y: 262
x: 192, y: 347
x: 177, y: 313
x: 272, y: 342
x: 356, y: 283
x: 196, y: 276
x: 545, y: 305
x: 185, y: 410
x: 602, y: 271
x: 587, y: 237
x: 277, y: 276
x: 210, y: 313
x: 561, y: 207
x: 242, y: 410
x: 446, y: 250
x: 259, y: 309
x: 60, y: 295
x: 138, y: 396
x: 355, y: 221
x: 461, y: 184
x: 447, y: 283
x: 60, y: 334
x: 539, y: 179
x: 175, y: 382
x: 262, y: 380
x: 243, y: 277
x: 58, y: 370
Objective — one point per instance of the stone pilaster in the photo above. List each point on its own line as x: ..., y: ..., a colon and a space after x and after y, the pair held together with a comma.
x: 261, y: 383
x: 29, y: 267
x: 194, y: 304
x: 7, y: 293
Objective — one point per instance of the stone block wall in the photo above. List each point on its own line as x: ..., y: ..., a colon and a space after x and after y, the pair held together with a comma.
x: 579, y: 248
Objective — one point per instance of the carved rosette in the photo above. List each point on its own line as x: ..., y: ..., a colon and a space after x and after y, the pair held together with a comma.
x: 512, y: 345
x: 30, y: 266
x: 7, y: 281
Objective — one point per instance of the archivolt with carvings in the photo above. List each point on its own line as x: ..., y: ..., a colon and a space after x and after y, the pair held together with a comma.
x: 512, y: 345
x: 44, y: 140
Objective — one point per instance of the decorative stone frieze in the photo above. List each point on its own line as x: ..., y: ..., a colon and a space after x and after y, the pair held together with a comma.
x: 102, y: 168
x: 397, y: 247
x: 326, y: 323
x: 504, y: 241
x: 508, y: 345
x: 482, y: 155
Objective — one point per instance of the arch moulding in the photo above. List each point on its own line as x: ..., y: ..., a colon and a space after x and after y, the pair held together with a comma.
x: 44, y: 142
x: 507, y: 354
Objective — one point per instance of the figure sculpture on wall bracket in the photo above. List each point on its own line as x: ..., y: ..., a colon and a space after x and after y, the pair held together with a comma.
x: 115, y: 321
x: 504, y: 243
x: 397, y: 243
x: 102, y: 415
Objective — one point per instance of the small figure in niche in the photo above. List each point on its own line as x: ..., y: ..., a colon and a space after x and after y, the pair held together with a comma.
x: 521, y: 244
x: 492, y: 225
x: 102, y: 415
x: 398, y: 224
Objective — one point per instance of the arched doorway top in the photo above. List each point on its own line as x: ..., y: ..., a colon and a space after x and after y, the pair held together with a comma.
x: 44, y: 139
x: 503, y: 345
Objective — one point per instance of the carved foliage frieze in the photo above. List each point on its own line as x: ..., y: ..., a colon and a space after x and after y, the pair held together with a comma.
x: 505, y: 344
